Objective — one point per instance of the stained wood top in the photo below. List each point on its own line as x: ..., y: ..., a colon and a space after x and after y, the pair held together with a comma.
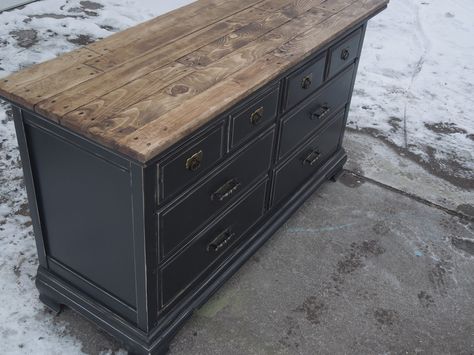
x: 143, y: 89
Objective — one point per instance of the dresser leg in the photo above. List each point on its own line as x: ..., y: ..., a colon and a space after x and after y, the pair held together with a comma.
x: 50, y: 303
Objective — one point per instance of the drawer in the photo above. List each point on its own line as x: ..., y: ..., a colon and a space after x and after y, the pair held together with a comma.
x: 307, y: 161
x: 191, y: 162
x: 178, y: 222
x: 304, y: 82
x: 253, y: 117
x: 318, y: 110
x: 211, y: 245
x: 344, y: 53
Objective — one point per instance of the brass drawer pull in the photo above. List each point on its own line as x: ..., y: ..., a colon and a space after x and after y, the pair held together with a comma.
x: 256, y: 116
x: 322, y: 111
x: 194, y: 161
x: 221, y: 240
x: 345, y: 54
x: 225, y: 190
x: 312, y: 158
x: 307, y: 81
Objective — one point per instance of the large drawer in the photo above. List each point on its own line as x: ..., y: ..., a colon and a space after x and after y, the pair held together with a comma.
x: 178, y: 222
x: 305, y: 81
x: 211, y: 245
x: 191, y: 161
x: 306, y: 162
x: 313, y: 114
x: 344, y: 53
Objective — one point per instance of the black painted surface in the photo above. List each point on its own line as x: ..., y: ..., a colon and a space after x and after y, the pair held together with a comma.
x: 175, y: 174
x: 248, y: 122
x: 210, y: 246
x: 124, y: 209
x: 345, y: 52
x: 315, y: 112
x: 196, y: 207
x: 306, y: 162
x: 305, y: 81
x: 86, y: 213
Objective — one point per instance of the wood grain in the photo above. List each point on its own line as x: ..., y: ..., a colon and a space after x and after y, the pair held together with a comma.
x: 154, y: 106
x: 71, y: 99
x: 143, y: 89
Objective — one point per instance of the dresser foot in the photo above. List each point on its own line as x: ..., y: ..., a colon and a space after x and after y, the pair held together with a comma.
x: 336, y: 175
x: 50, y: 303
x: 160, y: 350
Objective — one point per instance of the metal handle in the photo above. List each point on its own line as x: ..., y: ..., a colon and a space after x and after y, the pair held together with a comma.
x: 312, y: 158
x: 345, y: 54
x: 306, y: 82
x: 256, y: 116
x: 221, y: 240
x: 194, y: 161
x: 225, y: 190
x: 321, y: 111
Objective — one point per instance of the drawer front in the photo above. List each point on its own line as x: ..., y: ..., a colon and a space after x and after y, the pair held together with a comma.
x: 189, y: 214
x: 304, y: 82
x: 191, y: 162
x: 344, y: 53
x: 254, y: 117
x: 211, y: 245
x: 310, y: 117
x: 306, y: 162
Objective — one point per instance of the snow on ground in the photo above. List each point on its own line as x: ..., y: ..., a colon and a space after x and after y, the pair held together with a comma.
x: 414, y: 90
x: 30, y: 35
x: 415, y: 84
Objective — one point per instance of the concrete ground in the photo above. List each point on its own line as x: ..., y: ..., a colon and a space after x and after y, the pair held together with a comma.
x: 380, y: 262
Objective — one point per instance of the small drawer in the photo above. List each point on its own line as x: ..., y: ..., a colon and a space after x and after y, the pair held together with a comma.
x: 304, y: 82
x: 178, y: 222
x: 318, y: 110
x: 306, y: 162
x: 344, y: 53
x: 211, y: 245
x: 253, y: 117
x: 191, y: 162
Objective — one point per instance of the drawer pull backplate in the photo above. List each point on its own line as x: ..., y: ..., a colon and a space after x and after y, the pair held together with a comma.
x: 194, y: 161
x: 345, y: 54
x: 221, y: 240
x: 306, y: 82
x: 312, y: 158
x: 322, y: 111
x: 256, y: 116
x: 225, y: 190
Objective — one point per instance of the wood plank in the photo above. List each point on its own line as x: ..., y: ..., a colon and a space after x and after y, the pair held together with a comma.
x: 119, y: 99
x: 335, y: 6
x: 31, y: 94
x: 82, y: 94
x: 323, y: 33
x: 158, y: 135
x: 233, y: 41
x: 174, y: 95
x: 155, y: 25
x: 278, y: 12
x: 296, y: 6
x: 159, y: 34
x: 15, y: 82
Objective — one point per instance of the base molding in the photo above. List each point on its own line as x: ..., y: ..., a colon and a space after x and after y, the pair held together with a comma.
x: 55, y: 292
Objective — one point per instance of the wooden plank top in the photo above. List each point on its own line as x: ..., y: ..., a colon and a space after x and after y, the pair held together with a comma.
x: 141, y: 90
